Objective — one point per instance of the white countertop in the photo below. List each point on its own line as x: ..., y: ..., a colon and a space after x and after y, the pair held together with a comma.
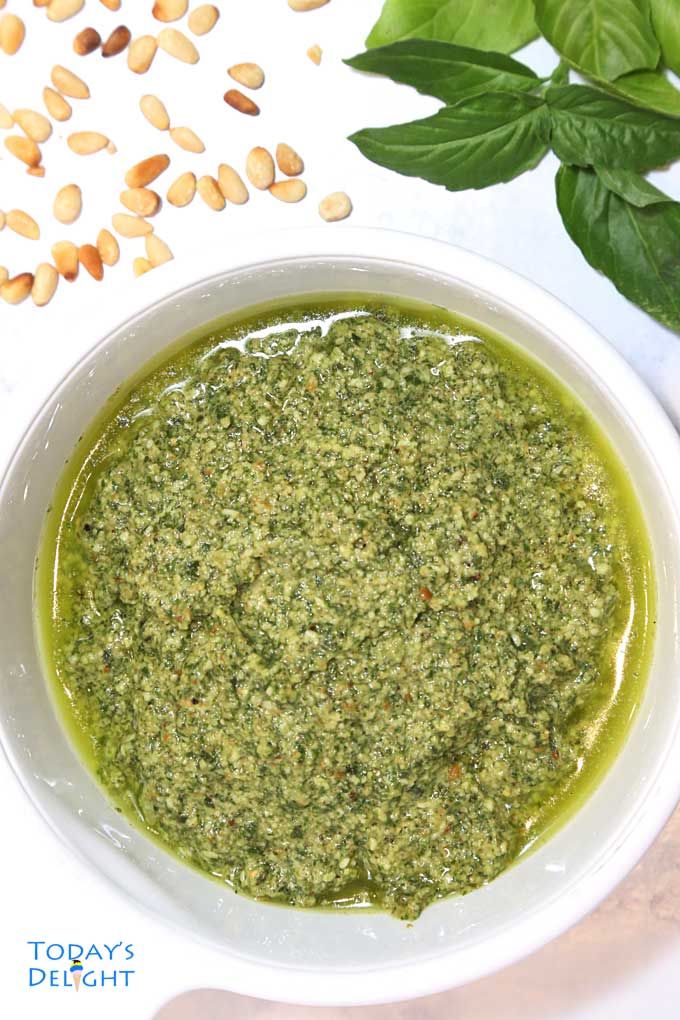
x: 624, y: 960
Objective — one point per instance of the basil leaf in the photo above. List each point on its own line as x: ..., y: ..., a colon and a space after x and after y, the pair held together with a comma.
x: 606, y: 38
x: 631, y: 187
x: 448, y: 72
x: 501, y: 25
x: 637, y: 248
x: 649, y: 89
x: 481, y: 141
x: 666, y: 21
x: 590, y: 127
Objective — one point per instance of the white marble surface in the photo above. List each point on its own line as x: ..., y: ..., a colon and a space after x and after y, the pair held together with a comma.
x: 625, y: 959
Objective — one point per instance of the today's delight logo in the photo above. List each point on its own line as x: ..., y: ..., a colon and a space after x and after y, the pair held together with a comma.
x: 74, y: 966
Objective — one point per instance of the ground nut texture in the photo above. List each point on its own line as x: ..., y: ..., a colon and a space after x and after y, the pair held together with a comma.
x: 338, y: 609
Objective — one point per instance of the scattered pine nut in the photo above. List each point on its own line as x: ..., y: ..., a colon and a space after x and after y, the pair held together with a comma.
x: 231, y: 185
x: 17, y: 289
x: 36, y: 171
x: 155, y: 112
x: 288, y: 160
x: 68, y: 83
x: 12, y: 34
x: 209, y: 190
x: 44, y: 284
x: 203, y: 19
x: 289, y: 191
x: 182, y: 191
x: 141, y: 266
x: 141, y: 53
x: 147, y: 171
x: 108, y: 248
x: 250, y: 75
x: 315, y: 54
x: 33, y: 124
x: 21, y: 223
x: 306, y: 5
x: 111, y: 148
x: 62, y: 10
x: 178, y: 45
x: 65, y: 255
x: 260, y: 168
x: 24, y: 149
x: 6, y: 119
x: 87, y: 41
x: 242, y: 103
x: 112, y: 5
x: 118, y: 41
x: 335, y: 207
x: 169, y: 10
x: 68, y: 204
x: 85, y: 143
x: 130, y: 226
x: 157, y: 251
x: 56, y: 105
x: 187, y: 139
x: 89, y: 257
x: 141, y: 201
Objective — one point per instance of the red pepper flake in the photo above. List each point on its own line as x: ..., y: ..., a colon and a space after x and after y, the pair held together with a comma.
x: 425, y: 594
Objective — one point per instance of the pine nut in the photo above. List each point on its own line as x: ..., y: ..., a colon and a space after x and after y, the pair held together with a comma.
x: 12, y: 34
x: 187, y: 139
x: 87, y: 42
x: 6, y: 119
x: 33, y: 124
x: 306, y: 5
x: 203, y: 19
x: 231, y: 185
x: 169, y: 10
x: 242, y: 103
x: 155, y: 112
x: 21, y: 223
x: 56, y: 105
x: 130, y: 226
x: 68, y: 204
x: 141, y: 53
x: 141, y: 266
x: 44, y: 284
x: 141, y: 201
x: 289, y: 162
x: 260, y: 168
x: 117, y: 41
x: 4, y: 275
x: 157, y: 251
x: 36, y: 171
x: 315, y: 54
x: 62, y: 10
x: 178, y: 45
x: 250, y: 75
x: 65, y: 256
x: 24, y: 149
x: 147, y: 171
x: 112, y: 5
x: 85, y: 143
x: 209, y: 190
x: 17, y: 289
x: 181, y: 193
x: 2, y: 220
x: 335, y: 207
x: 68, y: 83
x: 289, y: 191
x: 108, y: 248
x: 89, y: 257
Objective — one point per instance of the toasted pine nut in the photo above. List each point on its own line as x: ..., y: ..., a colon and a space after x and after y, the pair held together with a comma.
x: 117, y: 41
x: 306, y: 5
x: 87, y: 41
x: 335, y: 207
x: 289, y: 162
x: 62, y: 10
x: 182, y: 191
x: 169, y: 10
x: 147, y: 171
x: 157, y: 251
x: 89, y: 257
x: 17, y: 289
x: 187, y: 139
x: 315, y: 54
x: 155, y: 112
x: 68, y: 83
x: 112, y: 5
x: 68, y: 204
x: 260, y: 168
x: 231, y: 185
x: 44, y: 284
x: 209, y: 190
x: 203, y: 19
x: 250, y: 75
x: 130, y: 226
x: 36, y: 171
x: 289, y: 191
x: 65, y: 255
x: 33, y: 124
x: 12, y: 34
x: 55, y: 104
x: 141, y: 266
x: 24, y: 149
x: 141, y: 201
x: 242, y: 103
x: 107, y: 246
x: 141, y: 53
x: 85, y: 143
x: 21, y: 223
x: 178, y: 45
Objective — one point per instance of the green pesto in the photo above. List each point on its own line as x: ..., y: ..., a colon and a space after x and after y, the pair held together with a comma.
x: 355, y: 611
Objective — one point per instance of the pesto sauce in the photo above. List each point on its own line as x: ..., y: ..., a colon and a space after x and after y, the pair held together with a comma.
x: 351, y: 604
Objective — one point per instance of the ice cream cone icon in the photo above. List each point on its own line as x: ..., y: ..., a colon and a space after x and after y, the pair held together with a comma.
x: 76, y: 973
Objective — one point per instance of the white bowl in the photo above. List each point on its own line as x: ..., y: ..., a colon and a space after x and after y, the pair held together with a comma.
x: 355, y: 956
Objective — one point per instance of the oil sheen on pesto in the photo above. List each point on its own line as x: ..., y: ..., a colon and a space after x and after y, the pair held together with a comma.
x: 350, y: 611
